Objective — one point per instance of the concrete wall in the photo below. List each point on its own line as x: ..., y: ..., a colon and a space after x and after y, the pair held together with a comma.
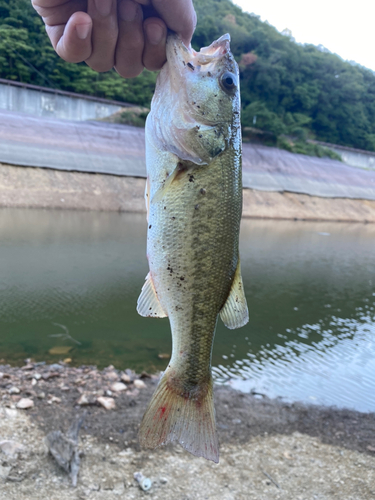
x: 356, y: 159
x: 46, y: 103
x: 350, y: 156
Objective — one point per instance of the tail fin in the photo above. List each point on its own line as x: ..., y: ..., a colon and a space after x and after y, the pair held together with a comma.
x: 190, y: 421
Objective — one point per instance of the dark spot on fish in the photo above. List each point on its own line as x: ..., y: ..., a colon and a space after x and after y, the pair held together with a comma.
x: 209, y: 73
x: 215, y: 95
x: 182, y: 278
x: 165, y: 208
x: 196, y: 207
x: 191, y: 178
x: 198, y: 107
x: 150, y: 308
x: 202, y: 191
x: 150, y: 226
x: 173, y: 218
x: 190, y: 66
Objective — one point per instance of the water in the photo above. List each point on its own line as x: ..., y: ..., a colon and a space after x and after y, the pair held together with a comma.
x: 310, y: 289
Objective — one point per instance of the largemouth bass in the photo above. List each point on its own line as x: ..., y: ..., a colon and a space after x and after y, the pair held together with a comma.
x: 194, y: 202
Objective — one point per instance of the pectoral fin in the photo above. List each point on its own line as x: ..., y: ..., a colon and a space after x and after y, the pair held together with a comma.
x: 148, y: 304
x: 234, y: 313
x: 182, y: 168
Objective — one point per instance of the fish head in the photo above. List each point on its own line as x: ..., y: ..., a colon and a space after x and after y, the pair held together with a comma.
x: 196, y: 106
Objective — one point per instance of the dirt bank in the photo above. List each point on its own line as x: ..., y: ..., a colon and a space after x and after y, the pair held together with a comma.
x: 269, y: 449
x: 46, y: 188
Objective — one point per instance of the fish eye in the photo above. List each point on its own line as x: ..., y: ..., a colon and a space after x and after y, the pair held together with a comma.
x: 228, y: 81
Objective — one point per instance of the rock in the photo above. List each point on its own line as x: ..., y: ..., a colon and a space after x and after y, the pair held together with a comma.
x: 14, y: 390
x: 371, y: 448
x: 107, y: 403
x: 119, y: 488
x: 111, y: 375
x: 139, y: 384
x: 29, y: 366
x: 54, y: 399
x: 34, y: 382
x: 64, y: 449
x: 125, y: 378
x: 4, y: 472
x: 25, y: 403
x: 37, y: 376
x: 11, y: 448
x: 67, y: 360
x: 56, y: 367
x: 118, y: 387
x: 59, y: 350
x: 134, y: 393
x: 41, y: 395
x: 1, y: 375
x: 164, y: 355
x: 83, y: 400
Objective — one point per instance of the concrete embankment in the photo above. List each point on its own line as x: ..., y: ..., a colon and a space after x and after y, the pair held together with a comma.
x: 47, y: 188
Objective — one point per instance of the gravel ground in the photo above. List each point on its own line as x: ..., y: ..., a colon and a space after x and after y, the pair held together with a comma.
x: 269, y: 449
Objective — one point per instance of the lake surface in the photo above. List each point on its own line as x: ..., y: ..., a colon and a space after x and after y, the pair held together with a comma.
x: 310, y: 289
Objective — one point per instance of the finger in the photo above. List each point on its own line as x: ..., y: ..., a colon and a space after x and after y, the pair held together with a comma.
x: 130, y: 41
x: 179, y: 16
x: 56, y: 12
x: 155, y: 32
x: 72, y: 41
x: 104, y: 34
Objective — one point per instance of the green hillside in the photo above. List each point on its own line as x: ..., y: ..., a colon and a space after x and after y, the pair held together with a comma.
x: 287, y: 89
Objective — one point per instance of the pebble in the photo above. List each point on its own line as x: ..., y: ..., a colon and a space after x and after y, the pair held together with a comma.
x: 118, y: 387
x: 125, y: 378
x: 1, y: 374
x: 83, y: 400
x: 107, y: 403
x: 111, y: 376
x: 4, y: 472
x: 139, y: 384
x: 11, y: 448
x: 14, y: 390
x: 25, y: 403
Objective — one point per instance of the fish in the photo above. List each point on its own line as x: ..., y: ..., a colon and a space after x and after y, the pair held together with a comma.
x: 194, y: 202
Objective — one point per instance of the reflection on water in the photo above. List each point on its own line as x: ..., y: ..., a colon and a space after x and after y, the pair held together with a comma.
x: 310, y: 289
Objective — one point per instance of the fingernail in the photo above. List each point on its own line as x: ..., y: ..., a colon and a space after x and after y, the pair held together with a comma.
x: 154, y: 33
x: 83, y: 30
x: 104, y: 7
x: 128, y: 10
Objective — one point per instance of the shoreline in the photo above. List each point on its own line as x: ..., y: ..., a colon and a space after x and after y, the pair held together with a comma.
x: 30, y: 187
x: 269, y: 449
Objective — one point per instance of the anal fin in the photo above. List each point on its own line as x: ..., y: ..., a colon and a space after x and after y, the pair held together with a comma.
x: 235, y: 313
x: 148, y: 304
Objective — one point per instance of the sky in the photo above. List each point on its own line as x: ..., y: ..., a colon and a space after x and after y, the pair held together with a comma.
x: 344, y: 28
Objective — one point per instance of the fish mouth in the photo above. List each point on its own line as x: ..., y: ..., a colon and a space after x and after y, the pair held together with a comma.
x: 179, y: 56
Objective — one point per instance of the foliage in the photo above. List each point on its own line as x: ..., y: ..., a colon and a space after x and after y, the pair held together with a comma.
x: 300, y: 91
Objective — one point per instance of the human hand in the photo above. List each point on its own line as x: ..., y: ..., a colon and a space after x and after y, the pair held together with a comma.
x: 126, y: 34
